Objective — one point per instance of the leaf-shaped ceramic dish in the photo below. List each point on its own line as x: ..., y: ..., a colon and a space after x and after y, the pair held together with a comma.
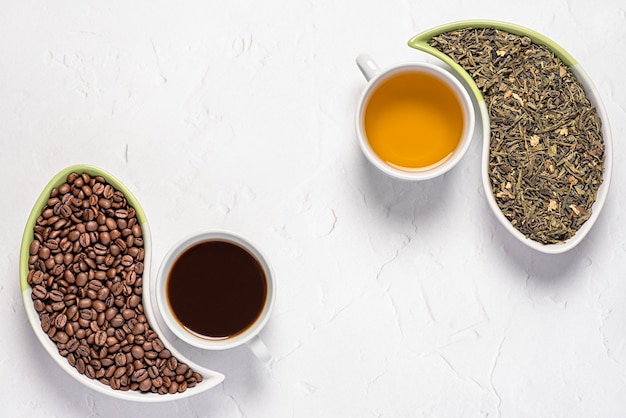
x: 210, y: 378
x: 420, y: 42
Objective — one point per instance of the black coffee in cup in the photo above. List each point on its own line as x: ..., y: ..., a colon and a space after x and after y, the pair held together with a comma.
x: 216, y: 289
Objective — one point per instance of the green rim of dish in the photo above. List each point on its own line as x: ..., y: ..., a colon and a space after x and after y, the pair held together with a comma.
x: 420, y: 42
x: 56, y: 181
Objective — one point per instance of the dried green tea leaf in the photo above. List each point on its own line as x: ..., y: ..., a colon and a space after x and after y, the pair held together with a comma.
x: 546, y: 153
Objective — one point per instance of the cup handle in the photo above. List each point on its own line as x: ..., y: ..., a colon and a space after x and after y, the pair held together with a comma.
x: 259, y: 349
x: 368, y: 67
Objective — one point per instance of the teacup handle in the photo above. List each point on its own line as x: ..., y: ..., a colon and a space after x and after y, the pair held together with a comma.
x: 259, y: 349
x: 367, y: 66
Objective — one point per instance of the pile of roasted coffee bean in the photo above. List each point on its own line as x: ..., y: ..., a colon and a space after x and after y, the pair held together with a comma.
x: 85, y: 270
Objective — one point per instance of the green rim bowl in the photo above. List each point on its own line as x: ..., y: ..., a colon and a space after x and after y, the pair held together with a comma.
x: 210, y: 377
x: 420, y: 42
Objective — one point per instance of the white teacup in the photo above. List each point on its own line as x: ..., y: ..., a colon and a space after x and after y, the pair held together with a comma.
x: 248, y: 335
x: 434, y: 116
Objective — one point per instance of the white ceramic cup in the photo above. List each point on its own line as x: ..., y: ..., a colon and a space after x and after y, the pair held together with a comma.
x: 250, y: 335
x: 375, y: 76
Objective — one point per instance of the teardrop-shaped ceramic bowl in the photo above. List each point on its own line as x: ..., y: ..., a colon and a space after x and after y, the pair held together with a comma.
x: 420, y: 42
x: 210, y: 377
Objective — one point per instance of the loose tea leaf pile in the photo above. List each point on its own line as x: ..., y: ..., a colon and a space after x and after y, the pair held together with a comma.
x: 546, y: 154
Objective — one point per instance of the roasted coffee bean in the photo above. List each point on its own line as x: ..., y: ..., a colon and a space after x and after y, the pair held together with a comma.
x: 84, y: 303
x: 60, y: 321
x: 108, y: 191
x: 173, y: 387
x: 172, y: 363
x: 157, y: 382
x: 91, y: 263
x: 37, y: 277
x: 43, y: 253
x: 45, y: 322
x: 134, y: 301
x: 110, y: 314
x: 84, y: 240
x: 58, y: 306
x: 145, y: 385
x: 139, y: 375
x: 120, y: 300
x: 60, y: 223
x: 39, y: 305
x: 65, y: 211
x: 137, y: 352
x: 85, y: 270
x: 74, y: 235
x: 80, y: 365
x: 72, y: 313
x: 55, y: 295
x: 110, y: 371
x: 94, y: 327
x: 157, y: 345
x: 138, y: 329
x: 110, y: 223
x: 119, y: 371
x: 91, y: 225
x: 96, y: 364
x: 100, y: 338
x: 120, y: 359
x: 86, y: 314
x: 114, y: 249
x: 61, y: 337
x: 72, y: 345
x: 98, y: 188
x: 52, y: 244
x: 117, y: 321
x: 103, y: 293
x: 128, y: 313
x: 90, y: 371
x: 99, y: 306
x: 136, y: 231
x: 181, y: 368
x: 34, y: 247
x: 127, y: 260
x: 69, y: 299
x: 49, y: 263
x: 121, y: 244
x: 121, y: 213
x: 86, y: 190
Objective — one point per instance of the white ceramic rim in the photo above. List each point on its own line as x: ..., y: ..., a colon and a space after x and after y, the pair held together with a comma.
x: 468, y: 114
x: 166, y: 313
x: 603, y: 190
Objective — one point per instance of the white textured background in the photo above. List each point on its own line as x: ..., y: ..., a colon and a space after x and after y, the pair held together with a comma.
x: 395, y: 299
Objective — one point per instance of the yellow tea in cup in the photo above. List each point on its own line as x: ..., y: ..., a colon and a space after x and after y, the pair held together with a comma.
x: 413, y: 120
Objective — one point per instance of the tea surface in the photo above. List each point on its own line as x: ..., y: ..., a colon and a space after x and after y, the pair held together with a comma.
x: 216, y: 289
x: 413, y: 120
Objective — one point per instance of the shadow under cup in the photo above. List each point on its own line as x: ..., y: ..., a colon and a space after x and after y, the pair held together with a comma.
x: 415, y: 121
x: 215, y: 290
